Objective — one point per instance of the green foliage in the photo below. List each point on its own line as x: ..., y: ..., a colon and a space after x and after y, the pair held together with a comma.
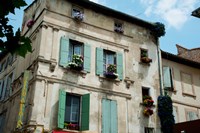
x: 158, y: 30
x: 112, y: 68
x: 165, y: 112
x: 15, y: 43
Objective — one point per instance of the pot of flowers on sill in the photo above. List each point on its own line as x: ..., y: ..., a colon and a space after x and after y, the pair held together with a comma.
x: 76, y: 63
x: 71, y: 126
x: 30, y: 23
x: 111, y: 72
x: 148, y: 111
x: 78, y: 16
x: 147, y: 101
x: 119, y: 29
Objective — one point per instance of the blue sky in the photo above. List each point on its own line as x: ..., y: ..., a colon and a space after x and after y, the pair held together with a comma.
x: 181, y: 27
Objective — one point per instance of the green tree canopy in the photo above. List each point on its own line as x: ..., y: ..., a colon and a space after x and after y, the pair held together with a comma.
x: 10, y: 41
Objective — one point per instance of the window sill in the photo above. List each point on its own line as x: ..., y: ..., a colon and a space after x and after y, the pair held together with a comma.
x: 81, y: 72
x: 70, y: 131
x: 190, y: 95
x: 170, y: 90
x: 102, y: 78
x: 143, y: 63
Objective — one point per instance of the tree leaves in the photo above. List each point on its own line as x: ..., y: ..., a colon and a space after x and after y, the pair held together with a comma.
x: 15, y: 43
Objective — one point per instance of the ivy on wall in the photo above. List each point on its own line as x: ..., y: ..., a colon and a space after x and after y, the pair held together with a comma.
x: 165, y: 112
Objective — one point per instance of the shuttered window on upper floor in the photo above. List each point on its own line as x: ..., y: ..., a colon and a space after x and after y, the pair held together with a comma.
x: 69, y: 47
x: 105, y: 58
x: 167, y: 78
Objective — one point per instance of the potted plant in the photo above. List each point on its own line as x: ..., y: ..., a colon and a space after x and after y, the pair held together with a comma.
x: 71, y: 126
x: 148, y: 111
x: 145, y: 58
x: 111, y: 72
x: 79, y: 16
x: 147, y: 101
x: 119, y: 29
x: 30, y: 23
x: 76, y: 63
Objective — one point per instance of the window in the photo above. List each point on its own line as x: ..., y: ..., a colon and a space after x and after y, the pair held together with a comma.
x: 148, y: 130
x: 167, y: 78
x: 70, y: 47
x: 2, y: 89
x: 77, y: 13
x: 175, y: 113
x: 118, y: 27
x: 2, y: 121
x: 145, y: 92
x: 106, y: 58
x: 192, y: 115
x: 73, y: 111
x: 109, y: 116
x: 144, y: 57
x: 109, y: 58
x: 8, y: 86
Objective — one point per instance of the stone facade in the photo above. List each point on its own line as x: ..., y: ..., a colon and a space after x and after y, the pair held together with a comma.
x: 54, y: 28
x: 181, y: 82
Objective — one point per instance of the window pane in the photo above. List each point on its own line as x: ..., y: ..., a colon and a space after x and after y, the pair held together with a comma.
x: 77, y: 49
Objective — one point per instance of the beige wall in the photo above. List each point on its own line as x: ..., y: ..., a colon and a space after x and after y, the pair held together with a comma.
x: 186, y: 94
x: 96, y: 30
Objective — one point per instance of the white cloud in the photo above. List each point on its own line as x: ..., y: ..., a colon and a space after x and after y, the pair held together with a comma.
x: 96, y: 1
x: 174, y: 12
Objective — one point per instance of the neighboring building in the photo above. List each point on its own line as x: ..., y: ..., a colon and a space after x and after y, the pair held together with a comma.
x: 190, y: 54
x: 181, y: 80
x: 54, y: 96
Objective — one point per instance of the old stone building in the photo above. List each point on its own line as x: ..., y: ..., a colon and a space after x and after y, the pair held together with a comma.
x: 181, y: 80
x: 90, y: 69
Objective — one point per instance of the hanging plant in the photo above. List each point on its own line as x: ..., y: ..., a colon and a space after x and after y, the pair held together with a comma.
x: 165, y: 112
x: 158, y: 29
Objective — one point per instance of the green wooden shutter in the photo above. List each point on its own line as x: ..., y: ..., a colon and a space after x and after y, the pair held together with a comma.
x: 99, y: 61
x: 167, y: 78
x: 64, y: 51
x: 106, y: 121
x: 87, y: 57
x: 61, y: 108
x: 85, y: 112
x: 113, y: 112
x: 120, y: 65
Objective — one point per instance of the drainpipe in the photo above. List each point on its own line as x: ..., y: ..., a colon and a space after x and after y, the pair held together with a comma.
x: 159, y: 66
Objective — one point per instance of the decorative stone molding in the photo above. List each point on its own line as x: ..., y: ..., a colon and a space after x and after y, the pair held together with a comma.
x: 128, y: 82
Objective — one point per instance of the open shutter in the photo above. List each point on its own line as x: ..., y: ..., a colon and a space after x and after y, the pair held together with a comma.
x: 106, y: 121
x: 113, y: 112
x: 120, y: 65
x: 99, y: 61
x: 167, y: 77
x: 61, y: 108
x: 64, y: 51
x: 87, y: 57
x: 85, y: 112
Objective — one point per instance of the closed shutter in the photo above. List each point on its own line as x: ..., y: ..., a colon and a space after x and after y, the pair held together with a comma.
x: 87, y: 57
x: 64, y: 51
x: 113, y: 112
x: 106, y: 126
x: 167, y: 77
x: 120, y: 65
x: 85, y: 112
x: 61, y: 108
x: 109, y: 116
x: 99, y: 61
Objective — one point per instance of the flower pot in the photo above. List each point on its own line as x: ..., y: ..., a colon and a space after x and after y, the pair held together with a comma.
x: 110, y: 75
x: 146, y: 60
x: 77, y: 68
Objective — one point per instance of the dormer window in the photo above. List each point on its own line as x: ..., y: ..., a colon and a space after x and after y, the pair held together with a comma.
x: 77, y: 14
x: 118, y: 27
